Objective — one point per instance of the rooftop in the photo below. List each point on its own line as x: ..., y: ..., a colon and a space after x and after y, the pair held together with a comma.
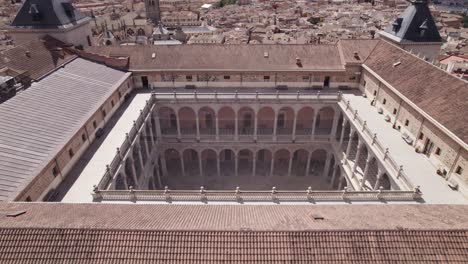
x: 37, y: 123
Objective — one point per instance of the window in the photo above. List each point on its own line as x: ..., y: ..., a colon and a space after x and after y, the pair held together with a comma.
x: 421, y: 135
x: 384, y: 101
x: 280, y: 122
x: 305, y: 78
x: 120, y: 95
x: 71, y: 153
x: 112, y: 103
x: 394, y: 111
x: 227, y: 77
x: 83, y: 137
x: 406, y: 122
x: 188, y: 78
x: 438, y: 151
x: 104, y: 113
x: 459, y: 170
x: 28, y: 199
x: 375, y: 92
x: 266, y: 78
x: 364, y: 84
x: 55, y: 171
x: 94, y: 124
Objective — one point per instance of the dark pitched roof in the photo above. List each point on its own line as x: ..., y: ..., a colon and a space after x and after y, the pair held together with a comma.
x: 37, y: 57
x: 438, y: 93
x: 45, y: 14
x: 227, y: 57
x: 415, y: 24
x: 126, y: 246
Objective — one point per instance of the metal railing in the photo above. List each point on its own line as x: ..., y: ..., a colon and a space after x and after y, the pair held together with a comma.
x: 239, y: 195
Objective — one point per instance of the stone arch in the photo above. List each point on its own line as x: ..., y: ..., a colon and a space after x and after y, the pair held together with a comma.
x: 281, y: 162
x: 285, y: 121
x: 187, y: 121
x: 263, y: 162
x: 362, y: 159
x: 120, y: 182
x: 245, y: 162
x: 246, y: 120
x: 339, y: 128
x: 372, y: 174
x: 385, y: 182
x: 206, y: 121
x: 226, y: 120
x: 317, y: 162
x: 299, y: 162
x: 227, y: 162
x: 354, y: 146
x: 324, y: 123
x: 167, y: 120
x: 129, y: 172
x: 191, y: 162
x: 305, y: 119
x: 137, y: 161
x: 209, y: 162
x: 173, y: 162
x: 141, y: 32
x: 266, y: 121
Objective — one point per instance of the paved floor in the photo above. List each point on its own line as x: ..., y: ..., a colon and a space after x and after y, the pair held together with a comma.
x: 418, y: 168
x: 92, y: 164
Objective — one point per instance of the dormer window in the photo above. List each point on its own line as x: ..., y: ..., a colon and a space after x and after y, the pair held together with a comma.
x: 423, y: 28
x: 36, y: 16
x: 397, y: 24
x: 68, y: 9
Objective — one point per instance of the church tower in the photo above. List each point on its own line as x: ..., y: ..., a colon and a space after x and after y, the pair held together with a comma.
x: 152, y: 11
x: 415, y: 30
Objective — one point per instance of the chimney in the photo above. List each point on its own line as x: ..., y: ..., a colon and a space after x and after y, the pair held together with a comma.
x: 27, y: 53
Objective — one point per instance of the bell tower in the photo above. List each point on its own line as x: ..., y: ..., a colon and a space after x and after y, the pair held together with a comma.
x: 152, y: 11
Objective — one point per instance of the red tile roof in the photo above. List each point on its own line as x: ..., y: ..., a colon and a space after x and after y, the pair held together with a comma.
x: 436, y: 92
x: 127, y: 246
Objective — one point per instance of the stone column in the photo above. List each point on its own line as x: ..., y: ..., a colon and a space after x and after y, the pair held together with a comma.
x: 158, y: 127
x: 149, y: 124
x: 327, y: 165
x: 356, y: 160
x: 333, y: 176
x: 218, y: 166
x: 272, y: 165
x: 366, y: 171
x: 294, y: 126
x: 290, y: 164
x: 314, y: 122
x: 255, y: 125
x: 200, y: 167
x: 348, y: 149
x: 380, y: 173
x: 124, y: 175
x: 335, y: 123
x: 164, y: 165
x: 236, y: 163
x: 148, y: 153
x: 308, y: 164
x: 141, y: 157
x: 182, y: 165
x: 340, y: 184
x: 217, y: 126
x: 342, y: 133
x: 198, y: 125
x: 254, y: 165
x: 158, y: 175
x: 179, y: 135
x: 236, y: 126
x: 333, y: 171
x: 275, y: 125
x: 135, y: 178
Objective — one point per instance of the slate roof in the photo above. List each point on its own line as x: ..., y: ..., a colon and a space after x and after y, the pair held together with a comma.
x: 49, y: 14
x: 38, y: 122
x: 227, y: 57
x: 135, y: 233
x: 438, y: 93
x: 37, y: 57
x: 410, y: 24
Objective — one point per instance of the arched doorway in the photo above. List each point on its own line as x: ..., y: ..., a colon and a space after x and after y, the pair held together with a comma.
x: 281, y: 165
x: 266, y: 121
x: 191, y: 163
x: 227, y: 162
x: 304, y: 122
x: 168, y: 121
x: 299, y: 162
x: 187, y: 121
x: 209, y: 162
x: 324, y: 123
x: 245, y: 162
x: 173, y: 162
x: 263, y: 165
x: 246, y: 121
x: 226, y: 119
x: 317, y: 162
x: 285, y: 121
x: 207, y: 119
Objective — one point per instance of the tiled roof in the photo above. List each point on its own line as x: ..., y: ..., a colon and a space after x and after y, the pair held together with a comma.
x: 227, y: 57
x: 127, y: 246
x: 361, y: 46
x: 38, y: 57
x: 436, y: 92
x: 45, y: 14
x: 38, y: 122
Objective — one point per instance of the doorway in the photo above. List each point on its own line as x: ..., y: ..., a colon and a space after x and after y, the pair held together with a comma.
x: 428, y: 146
x: 326, y: 82
x: 144, y: 81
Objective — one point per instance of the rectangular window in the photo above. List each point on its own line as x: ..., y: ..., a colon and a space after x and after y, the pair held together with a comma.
x: 112, y: 103
x: 394, y: 111
x: 266, y: 78
x: 384, y: 101
x: 94, y: 124
x: 83, y: 137
x: 104, y: 113
x: 459, y: 170
x: 188, y: 78
x: 71, y: 153
x: 120, y: 95
x: 421, y: 135
x: 375, y: 92
x: 55, y: 172
x: 406, y: 122
x: 227, y: 77
x: 438, y: 151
